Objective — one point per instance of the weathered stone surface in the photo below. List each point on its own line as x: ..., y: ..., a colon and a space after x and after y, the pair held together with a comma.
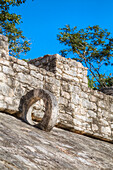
x: 66, y: 79
x: 51, y: 108
x: 24, y: 147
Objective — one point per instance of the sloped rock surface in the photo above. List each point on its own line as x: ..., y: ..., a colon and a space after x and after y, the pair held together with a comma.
x: 23, y: 147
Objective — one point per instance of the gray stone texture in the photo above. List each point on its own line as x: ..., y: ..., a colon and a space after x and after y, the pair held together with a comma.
x: 50, y: 117
x: 23, y: 147
x: 81, y: 109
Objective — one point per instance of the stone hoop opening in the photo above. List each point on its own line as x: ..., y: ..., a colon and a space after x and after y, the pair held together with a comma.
x: 51, y: 108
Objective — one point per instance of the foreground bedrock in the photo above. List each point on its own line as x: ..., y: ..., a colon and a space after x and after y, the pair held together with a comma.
x: 25, y: 147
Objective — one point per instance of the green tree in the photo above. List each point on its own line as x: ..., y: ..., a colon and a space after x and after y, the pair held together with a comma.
x: 9, y: 26
x: 92, y: 46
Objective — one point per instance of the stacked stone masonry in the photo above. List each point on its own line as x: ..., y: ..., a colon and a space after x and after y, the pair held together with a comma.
x: 81, y: 109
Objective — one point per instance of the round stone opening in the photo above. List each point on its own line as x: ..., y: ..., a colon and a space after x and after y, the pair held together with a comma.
x: 37, y: 111
x: 39, y: 105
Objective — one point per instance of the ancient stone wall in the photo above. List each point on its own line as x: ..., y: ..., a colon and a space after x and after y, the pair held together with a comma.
x: 81, y: 109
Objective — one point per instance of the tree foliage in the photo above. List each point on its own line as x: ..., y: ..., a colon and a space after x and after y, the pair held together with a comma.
x: 92, y: 46
x: 9, y: 26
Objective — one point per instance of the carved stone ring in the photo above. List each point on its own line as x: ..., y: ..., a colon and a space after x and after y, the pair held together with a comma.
x: 51, y: 108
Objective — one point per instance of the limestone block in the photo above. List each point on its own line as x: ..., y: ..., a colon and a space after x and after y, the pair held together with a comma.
x: 85, y: 72
x: 93, y: 98
x: 19, y: 90
x: 1, y: 97
x: 84, y: 84
x: 16, y: 101
x: 80, y: 76
x: 12, y: 59
x: 111, y: 108
x: 73, y: 73
x: 75, y: 98
x: 63, y: 101
x: 52, y: 80
x: 86, y: 89
x: 77, y: 122
x: 8, y: 70
x: 76, y: 79
x: 89, y: 105
x: 76, y: 89
x: 58, y: 70
x: 6, y: 90
x: 85, y: 103
x: 73, y: 66
x: 8, y: 100
x: 12, y: 109
x: 10, y: 81
x: 59, y: 65
x: 100, y: 114
x: 3, y: 45
x: 52, y: 88
x: 69, y: 71
x: 92, y: 114
x: 80, y: 71
x: 4, y: 62
x: 3, y: 105
x: 85, y: 80
x: 65, y: 94
x: 80, y: 65
x: 3, y: 77
x: 98, y: 94
x: 77, y: 111
x: 80, y: 117
x: 36, y: 82
x: 32, y: 67
x: 3, y: 54
x: 77, y: 128
x: 112, y: 126
x: 105, y: 130
x: 66, y: 67
x: 68, y: 77
x: 37, y: 75
x: 20, y: 68
x: 50, y: 74
x: 99, y: 109
x: 104, y: 122
x: 101, y: 104
x: 24, y: 78
x: 80, y: 110
x: 94, y: 127
x: 71, y: 106
x: 58, y: 76
x: 22, y: 62
x: 88, y: 127
x: 93, y: 106
x: 80, y: 81
x: 66, y: 86
x: 89, y: 120
x: 84, y: 95
x: 43, y: 71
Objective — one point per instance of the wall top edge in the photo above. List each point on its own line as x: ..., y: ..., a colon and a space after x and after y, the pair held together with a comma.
x: 58, y: 58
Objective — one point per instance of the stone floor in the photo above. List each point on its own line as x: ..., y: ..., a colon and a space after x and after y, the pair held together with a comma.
x: 23, y: 147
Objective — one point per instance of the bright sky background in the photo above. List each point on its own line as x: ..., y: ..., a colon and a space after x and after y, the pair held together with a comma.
x: 42, y: 18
